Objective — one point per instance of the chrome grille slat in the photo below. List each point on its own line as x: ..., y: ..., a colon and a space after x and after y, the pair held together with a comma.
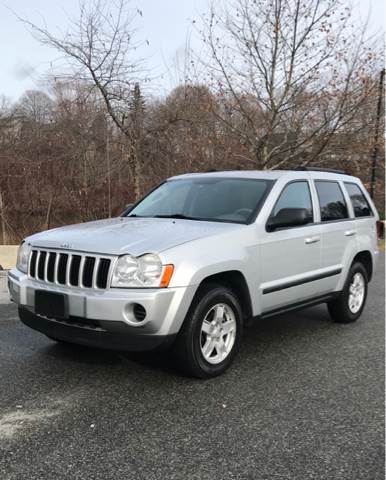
x: 46, y: 266
x: 81, y: 268
x: 56, y: 267
x: 68, y: 268
x: 37, y: 265
x: 94, y: 270
x: 29, y: 261
x: 95, y: 273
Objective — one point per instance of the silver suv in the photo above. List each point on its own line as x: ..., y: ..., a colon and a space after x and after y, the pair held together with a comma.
x: 199, y: 257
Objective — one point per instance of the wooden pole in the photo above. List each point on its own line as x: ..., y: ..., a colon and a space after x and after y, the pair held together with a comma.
x: 376, y: 134
x: 49, y: 208
x: 108, y: 172
x: 2, y: 214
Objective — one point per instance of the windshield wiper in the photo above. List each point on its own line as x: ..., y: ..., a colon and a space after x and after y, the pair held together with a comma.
x: 176, y: 215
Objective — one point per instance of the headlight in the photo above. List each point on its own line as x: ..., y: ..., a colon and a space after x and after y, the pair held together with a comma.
x: 23, y: 256
x: 145, y: 271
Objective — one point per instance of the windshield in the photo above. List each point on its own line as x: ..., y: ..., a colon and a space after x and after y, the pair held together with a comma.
x: 211, y: 199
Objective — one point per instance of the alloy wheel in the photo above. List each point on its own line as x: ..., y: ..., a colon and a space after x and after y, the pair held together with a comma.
x: 356, y: 293
x: 218, y: 333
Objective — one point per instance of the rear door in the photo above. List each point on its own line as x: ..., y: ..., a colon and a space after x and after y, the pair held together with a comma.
x: 338, y: 231
x: 365, y: 217
x: 290, y: 257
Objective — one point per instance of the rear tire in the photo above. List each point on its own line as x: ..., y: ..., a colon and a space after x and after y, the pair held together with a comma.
x: 348, y: 307
x: 211, y: 333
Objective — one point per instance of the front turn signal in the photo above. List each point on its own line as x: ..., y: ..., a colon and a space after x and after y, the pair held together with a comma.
x: 166, y: 275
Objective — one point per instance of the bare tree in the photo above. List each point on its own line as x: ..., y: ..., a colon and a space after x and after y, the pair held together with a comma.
x: 288, y: 82
x: 35, y: 106
x: 291, y: 71
x: 102, y: 50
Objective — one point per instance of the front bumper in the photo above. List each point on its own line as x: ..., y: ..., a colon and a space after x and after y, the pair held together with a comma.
x: 96, y: 334
x: 111, y: 310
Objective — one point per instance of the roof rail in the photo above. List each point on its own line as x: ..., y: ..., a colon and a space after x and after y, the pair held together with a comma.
x: 318, y: 169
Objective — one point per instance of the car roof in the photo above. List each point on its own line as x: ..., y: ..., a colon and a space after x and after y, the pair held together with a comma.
x: 269, y: 175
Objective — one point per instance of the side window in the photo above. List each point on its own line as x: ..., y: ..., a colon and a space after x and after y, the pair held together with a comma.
x: 295, y: 195
x: 331, y: 201
x: 360, y: 204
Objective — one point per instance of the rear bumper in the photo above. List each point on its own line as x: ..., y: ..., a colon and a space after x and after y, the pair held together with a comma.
x: 94, y: 333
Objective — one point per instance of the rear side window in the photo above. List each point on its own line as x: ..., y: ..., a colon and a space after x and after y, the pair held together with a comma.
x: 331, y: 201
x: 360, y: 204
x: 295, y: 195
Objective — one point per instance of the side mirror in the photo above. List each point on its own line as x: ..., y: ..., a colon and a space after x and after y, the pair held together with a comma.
x: 289, y: 217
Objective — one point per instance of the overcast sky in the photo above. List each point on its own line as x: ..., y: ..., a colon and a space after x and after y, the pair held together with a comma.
x: 166, y: 25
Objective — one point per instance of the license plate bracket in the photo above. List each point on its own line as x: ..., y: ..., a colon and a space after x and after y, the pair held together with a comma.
x: 51, y: 304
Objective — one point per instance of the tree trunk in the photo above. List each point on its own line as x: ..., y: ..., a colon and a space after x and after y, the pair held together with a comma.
x: 137, y: 179
x: 135, y: 168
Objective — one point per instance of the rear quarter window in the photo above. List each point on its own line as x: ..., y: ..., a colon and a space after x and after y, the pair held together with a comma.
x: 359, y: 202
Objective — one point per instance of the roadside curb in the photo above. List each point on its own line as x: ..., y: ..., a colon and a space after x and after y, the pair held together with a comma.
x: 8, y: 255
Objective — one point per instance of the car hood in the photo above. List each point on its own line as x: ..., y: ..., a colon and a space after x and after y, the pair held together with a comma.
x: 122, y: 235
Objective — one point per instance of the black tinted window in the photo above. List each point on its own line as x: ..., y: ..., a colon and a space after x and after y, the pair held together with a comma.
x: 331, y: 201
x: 360, y: 204
x: 295, y: 195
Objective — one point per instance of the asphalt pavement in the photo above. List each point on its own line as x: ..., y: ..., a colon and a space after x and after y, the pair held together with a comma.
x: 304, y: 400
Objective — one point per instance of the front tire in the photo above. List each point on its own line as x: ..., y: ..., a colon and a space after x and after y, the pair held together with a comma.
x: 211, y: 334
x: 349, y: 305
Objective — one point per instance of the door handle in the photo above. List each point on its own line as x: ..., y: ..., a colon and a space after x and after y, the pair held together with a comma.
x: 311, y: 240
x: 350, y: 233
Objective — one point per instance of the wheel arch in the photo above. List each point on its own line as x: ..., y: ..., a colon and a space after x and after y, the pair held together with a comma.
x: 365, y: 258
x: 235, y: 281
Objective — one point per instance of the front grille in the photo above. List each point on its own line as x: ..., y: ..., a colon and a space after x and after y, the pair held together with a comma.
x: 62, y: 268
x: 74, y: 272
x: 71, y: 269
x: 88, y: 271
